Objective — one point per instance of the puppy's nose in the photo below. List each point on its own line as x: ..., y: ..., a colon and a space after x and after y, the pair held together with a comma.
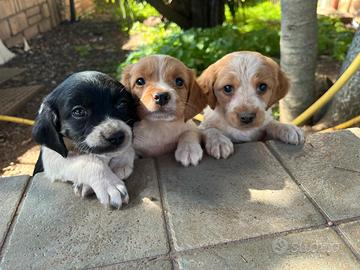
x: 247, y: 117
x: 162, y: 98
x: 116, y: 138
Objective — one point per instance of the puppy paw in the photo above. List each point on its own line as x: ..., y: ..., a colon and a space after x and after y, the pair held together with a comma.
x: 123, y: 172
x: 111, y: 193
x: 82, y: 190
x: 219, y: 146
x: 189, y: 154
x: 291, y: 134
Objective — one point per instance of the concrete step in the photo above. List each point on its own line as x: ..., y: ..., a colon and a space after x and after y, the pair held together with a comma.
x: 269, y: 206
x: 12, y: 99
x: 9, y: 73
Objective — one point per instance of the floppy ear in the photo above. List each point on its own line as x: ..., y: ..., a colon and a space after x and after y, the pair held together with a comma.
x: 206, y: 82
x: 46, y: 130
x: 281, y: 90
x: 125, y: 76
x: 196, y: 100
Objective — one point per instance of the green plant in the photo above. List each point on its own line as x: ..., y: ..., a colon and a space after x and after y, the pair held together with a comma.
x: 333, y: 37
x: 257, y: 28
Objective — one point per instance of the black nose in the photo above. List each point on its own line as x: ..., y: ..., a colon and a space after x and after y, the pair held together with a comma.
x: 116, y: 138
x: 162, y: 98
x: 247, y: 117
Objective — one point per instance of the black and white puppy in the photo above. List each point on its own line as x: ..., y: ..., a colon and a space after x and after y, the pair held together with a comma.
x: 85, y: 128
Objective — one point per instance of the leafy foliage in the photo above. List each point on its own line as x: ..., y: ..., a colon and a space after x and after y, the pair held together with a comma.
x: 333, y: 37
x: 255, y: 28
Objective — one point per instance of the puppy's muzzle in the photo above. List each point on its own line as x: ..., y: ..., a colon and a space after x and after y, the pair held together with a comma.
x: 162, y: 98
x: 116, y: 138
x: 109, y: 136
x: 247, y: 117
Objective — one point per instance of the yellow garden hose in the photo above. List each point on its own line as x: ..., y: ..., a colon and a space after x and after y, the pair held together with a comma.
x: 349, y: 123
x: 354, y: 66
x: 199, y: 117
x: 17, y: 120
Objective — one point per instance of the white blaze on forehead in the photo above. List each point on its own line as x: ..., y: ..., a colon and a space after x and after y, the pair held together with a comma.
x: 244, y: 67
x: 162, y: 83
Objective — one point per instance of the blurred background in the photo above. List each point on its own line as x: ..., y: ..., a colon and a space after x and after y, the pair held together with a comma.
x: 44, y: 41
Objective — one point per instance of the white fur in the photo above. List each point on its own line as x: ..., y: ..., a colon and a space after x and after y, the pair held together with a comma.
x: 215, y: 126
x: 89, y: 172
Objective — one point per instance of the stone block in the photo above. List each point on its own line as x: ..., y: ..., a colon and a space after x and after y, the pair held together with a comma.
x: 247, y: 195
x: 18, y: 23
x: 319, y: 249
x: 11, y: 190
x: 328, y: 168
x: 57, y: 230
x: 5, y: 31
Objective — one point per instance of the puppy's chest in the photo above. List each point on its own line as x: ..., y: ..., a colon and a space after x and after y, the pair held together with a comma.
x: 239, y: 136
x: 154, y: 139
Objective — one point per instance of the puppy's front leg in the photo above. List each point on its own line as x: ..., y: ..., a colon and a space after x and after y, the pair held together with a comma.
x: 89, y: 171
x: 123, y: 164
x: 188, y: 149
x: 217, y: 144
x: 286, y: 133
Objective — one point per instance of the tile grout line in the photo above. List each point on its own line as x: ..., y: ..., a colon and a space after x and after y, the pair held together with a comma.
x: 254, y: 238
x: 221, y: 244
x: 346, y: 242
x: 14, y: 218
x: 346, y: 220
x: 327, y: 218
x: 166, y: 221
x: 304, y: 191
x: 139, y: 260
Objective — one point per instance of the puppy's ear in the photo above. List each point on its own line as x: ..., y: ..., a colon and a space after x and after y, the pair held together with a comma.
x: 281, y: 89
x: 125, y: 76
x: 206, y: 82
x: 46, y: 130
x: 196, y: 100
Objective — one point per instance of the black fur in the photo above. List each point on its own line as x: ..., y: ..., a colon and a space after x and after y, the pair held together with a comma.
x: 98, y: 94
x: 39, y: 165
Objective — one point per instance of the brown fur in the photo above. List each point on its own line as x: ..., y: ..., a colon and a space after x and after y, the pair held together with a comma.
x: 190, y: 98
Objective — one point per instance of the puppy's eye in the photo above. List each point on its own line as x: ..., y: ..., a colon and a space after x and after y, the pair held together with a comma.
x: 179, y: 81
x: 228, y: 89
x: 121, y: 105
x: 262, y: 88
x: 140, y: 81
x: 78, y: 112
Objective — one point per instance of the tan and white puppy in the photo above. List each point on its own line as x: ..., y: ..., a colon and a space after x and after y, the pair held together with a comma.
x: 169, y: 97
x: 241, y: 87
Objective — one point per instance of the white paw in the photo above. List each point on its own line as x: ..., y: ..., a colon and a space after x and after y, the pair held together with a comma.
x: 219, y: 146
x: 291, y: 134
x: 111, y: 192
x: 189, y: 154
x: 123, y: 172
x: 82, y: 190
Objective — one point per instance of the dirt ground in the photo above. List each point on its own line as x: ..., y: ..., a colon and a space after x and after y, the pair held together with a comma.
x: 94, y: 44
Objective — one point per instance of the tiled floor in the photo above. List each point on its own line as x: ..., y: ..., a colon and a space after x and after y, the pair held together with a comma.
x: 269, y: 206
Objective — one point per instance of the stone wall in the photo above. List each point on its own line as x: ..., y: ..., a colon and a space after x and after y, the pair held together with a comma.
x: 28, y: 18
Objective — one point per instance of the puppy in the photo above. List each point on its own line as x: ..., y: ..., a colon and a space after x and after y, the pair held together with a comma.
x: 169, y: 97
x: 241, y: 87
x: 84, y: 127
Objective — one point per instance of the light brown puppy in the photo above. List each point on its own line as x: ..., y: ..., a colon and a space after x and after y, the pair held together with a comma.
x: 241, y: 87
x: 169, y: 97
